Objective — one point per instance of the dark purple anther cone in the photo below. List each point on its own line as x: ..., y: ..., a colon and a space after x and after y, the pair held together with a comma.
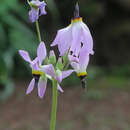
x: 76, y: 12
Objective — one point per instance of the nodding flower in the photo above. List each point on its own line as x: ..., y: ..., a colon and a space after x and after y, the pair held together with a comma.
x: 37, y: 9
x: 79, y: 64
x: 74, y: 37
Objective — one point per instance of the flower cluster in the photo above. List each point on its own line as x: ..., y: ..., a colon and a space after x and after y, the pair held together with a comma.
x: 75, y: 45
x: 43, y: 72
x: 37, y: 9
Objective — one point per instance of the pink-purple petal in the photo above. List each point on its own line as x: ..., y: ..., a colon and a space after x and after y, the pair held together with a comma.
x: 42, y: 8
x: 59, y: 78
x: 41, y: 87
x: 87, y: 40
x: 49, y: 69
x: 25, y: 55
x: 63, y: 40
x: 60, y: 89
x: 76, y: 36
x: 73, y: 58
x: 75, y: 66
x: 35, y: 61
x: 31, y: 86
x: 41, y: 52
x: 34, y: 64
x: 33, y: 15
x: 83, y: 58
x: 66, y: 73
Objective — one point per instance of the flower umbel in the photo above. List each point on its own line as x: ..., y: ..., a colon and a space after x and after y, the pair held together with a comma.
x: 74, y: 37
x: 43, y: 72
x: 37, y: 9
x: 75, y: 45
x: 39, y: 76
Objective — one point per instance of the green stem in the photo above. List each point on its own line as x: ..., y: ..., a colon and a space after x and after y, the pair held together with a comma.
x: 38, y: 31
x: 54, y: 105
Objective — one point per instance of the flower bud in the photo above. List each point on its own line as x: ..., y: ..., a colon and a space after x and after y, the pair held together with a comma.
x: 65, y: 59
x: 46, y: 61
x: 52, y: 57
x: 59, y: 64
x: 33, y: 5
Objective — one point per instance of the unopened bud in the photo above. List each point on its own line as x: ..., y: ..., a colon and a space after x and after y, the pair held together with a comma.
x: 59, y: 64
x: 52, y: 57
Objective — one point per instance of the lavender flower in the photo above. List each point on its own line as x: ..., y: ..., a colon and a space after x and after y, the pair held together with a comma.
x: 79, y: 64
x: 38, y: 75
x: 74, y: 37
x: 37, y: 9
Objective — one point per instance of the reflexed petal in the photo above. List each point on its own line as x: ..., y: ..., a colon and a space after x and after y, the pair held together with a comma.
x: 25, y: 55
x: 48, y: 69
x: 83, y: 59
x: 59, y: 78
x: 60, y: 89
x: 87, y: 39
x: 75, y: 66
x: 85, y: 26
x: 31, y: 86
x: 57, y: 39
x: 42, y: 8
x: 35, y: 61
x: 76, y: 43
x: 41, y: 52
x: 66, y: 73
x: 63, y: 48
x: 63, y: 40
x: 41, y: 87
x: 33, y: 15
x: 73, y: 58
x: 34, y: 64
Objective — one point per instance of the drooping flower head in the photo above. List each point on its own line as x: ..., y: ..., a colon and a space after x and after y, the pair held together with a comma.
x: 37, y: 9
x: 79, y: 64
x: 74, y: 37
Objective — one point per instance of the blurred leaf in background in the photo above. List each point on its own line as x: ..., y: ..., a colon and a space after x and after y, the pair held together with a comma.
x: 14, y: 35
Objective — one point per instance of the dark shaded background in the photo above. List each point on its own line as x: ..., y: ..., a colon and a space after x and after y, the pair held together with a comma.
x: 109, y: 69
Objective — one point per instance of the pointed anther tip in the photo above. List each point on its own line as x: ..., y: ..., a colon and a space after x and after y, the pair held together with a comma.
x: 76, y: 12
x: 77, y: 6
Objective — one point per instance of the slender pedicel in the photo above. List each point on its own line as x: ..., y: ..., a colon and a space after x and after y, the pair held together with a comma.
x: 38, y: 31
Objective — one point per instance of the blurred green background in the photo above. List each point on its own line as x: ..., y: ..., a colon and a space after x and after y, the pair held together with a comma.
x: 108, y: 72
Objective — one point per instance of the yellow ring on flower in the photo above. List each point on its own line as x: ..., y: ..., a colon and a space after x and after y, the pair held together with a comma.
x: 36, y: 72
x: 75, y: 20
x: 81, y: 74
